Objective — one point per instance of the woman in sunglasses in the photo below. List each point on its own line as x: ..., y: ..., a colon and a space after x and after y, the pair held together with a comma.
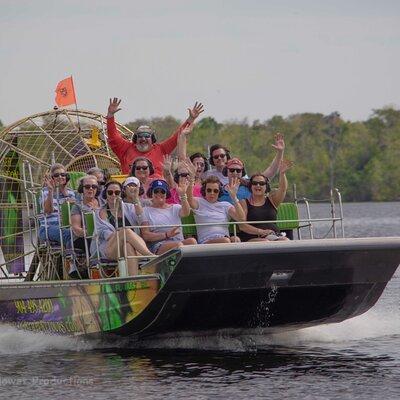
x: 163, y: 238
x: 207, y: 209
x: 142, y: 168
x: 54, y: 193
x: 235, y: 169
x: 262, y: 206
x: 110, y: 223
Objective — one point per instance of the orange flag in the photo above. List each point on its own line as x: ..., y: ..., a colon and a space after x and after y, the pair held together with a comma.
x: 65, y: 93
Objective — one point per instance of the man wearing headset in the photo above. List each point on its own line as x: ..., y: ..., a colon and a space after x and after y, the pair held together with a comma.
x: 143, y: 140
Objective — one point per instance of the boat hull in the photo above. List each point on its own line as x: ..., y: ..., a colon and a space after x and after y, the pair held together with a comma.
x: 197, y: 289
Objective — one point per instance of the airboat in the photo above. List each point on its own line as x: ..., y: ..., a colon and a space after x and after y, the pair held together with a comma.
x: 194, y: 290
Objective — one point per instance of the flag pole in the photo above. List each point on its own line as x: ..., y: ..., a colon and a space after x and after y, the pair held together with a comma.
x: 76, y: 105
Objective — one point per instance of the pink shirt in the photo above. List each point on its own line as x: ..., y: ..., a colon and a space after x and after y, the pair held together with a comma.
x: 174, y: 199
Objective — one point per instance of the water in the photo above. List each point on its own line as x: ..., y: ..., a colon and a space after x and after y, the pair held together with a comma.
x: 356, y: 359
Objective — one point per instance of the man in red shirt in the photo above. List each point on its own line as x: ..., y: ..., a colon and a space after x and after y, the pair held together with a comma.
x: 143, y: 140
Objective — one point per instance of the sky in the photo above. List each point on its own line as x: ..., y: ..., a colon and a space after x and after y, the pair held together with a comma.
x: 242, y: 59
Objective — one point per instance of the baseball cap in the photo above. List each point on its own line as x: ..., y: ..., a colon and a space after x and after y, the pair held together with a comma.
x: 131, y: 179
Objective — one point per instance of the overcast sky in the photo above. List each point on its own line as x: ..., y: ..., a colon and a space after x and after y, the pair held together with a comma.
x: 242, y: 59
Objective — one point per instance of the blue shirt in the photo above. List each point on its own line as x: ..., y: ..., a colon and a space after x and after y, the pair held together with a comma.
x: 243, y: 193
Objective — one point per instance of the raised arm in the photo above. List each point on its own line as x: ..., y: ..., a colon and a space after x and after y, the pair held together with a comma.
x: 115, y: 140
x: 182, y: 190
x: 279, y: 195
x: 279, y: 146
x: 48, y: 201
x: 169, y: 144
x: 194, y: 204
x: 182, y: 142
x: 236, y: 212
x: 167, y: 170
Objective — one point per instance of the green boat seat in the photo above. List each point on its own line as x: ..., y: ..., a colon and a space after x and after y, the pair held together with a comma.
x: 189, y: 231
x: 74, y: 178
x: 288, y: 211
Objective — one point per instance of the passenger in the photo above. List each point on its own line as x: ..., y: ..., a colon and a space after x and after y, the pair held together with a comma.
x: 235, y: 169
x: 208, y: 209
x: 219, y: 155
x: 109, y: 219
x: 143, y: 142
x: 53, y: 194
x: 262, y: 206
x: 90, y: 190
x: 183, y: 171
x: 201, y: 164
x: 132, y: 190
x: 164, y: 238
x: 101, y: 181
x: 142, y: 168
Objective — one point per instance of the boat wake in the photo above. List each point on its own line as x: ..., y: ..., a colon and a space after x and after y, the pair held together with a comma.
x: 15, y: 341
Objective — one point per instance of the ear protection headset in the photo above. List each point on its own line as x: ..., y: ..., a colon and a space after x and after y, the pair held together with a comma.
x: 204, y: 184
x: 197, y: 155
x: 104, y: 193
x: 149, y: 163
x: 153, y: 136
x: 80, y: 187
x: 215, y: 147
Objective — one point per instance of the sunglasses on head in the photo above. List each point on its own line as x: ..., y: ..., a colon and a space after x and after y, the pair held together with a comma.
x: 90, y: 187
x: 144, y: 168
x: 258, y: 183
x: 184, y: 174
x: 144, y: 135
x: 58, y: 174
x: 209, y: 190
x: 111, y: 192
x: 159, y: 190
x: 219, y: 156
x: 232, y: 170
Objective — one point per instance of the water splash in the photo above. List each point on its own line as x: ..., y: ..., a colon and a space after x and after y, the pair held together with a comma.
x: 15, y: 341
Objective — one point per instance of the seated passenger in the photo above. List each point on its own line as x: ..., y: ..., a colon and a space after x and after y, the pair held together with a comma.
x: 53, y: 194
x: 164, y: 238
x: 110, y: 218
x: 142, y: 168
x: 90, y: 190
x: 262, y: 206
x: 101, y: 181
x: 132, y: 190
x: 184, y: 171
x: 219, y: 155
x: 143, y: 142
x: 207, y: 209
x: 235, y: 169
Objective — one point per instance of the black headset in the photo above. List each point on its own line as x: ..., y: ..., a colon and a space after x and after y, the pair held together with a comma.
x: 197, y: 155
x: 204, y: 184
x: 80, y: 187
x: 153, y: 136
x: 215, y: 147
x: 104, y: 194
x: 149, y: 163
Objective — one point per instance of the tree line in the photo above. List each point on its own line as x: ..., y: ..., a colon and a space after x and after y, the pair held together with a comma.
x: 360, y: 158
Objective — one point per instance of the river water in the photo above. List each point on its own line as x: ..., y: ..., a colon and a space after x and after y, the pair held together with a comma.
x: 356, y: 359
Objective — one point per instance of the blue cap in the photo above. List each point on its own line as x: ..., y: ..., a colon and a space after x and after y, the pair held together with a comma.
x: 159, y: 184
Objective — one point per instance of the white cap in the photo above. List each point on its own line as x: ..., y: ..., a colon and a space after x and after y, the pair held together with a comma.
x: 131, y: 179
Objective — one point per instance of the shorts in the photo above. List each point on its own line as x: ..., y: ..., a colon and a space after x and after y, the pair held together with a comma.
x: 210, y: 237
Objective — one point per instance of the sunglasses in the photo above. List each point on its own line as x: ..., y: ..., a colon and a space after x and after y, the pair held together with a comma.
x: 90, y: 187
x: 232, y: 170
x: 219, y: 156
x: 111, y: 192
x: 258, y: 183
x: 184, y: 174
x: 144, y: 135
x: 144, y: 168
x: 58, y: 174
x: 131, y: 185
x: 215, y: 191
x: 158, y: 190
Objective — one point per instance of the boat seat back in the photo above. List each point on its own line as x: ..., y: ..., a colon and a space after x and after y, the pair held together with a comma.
x: 189, y: 231
x: 74, y: 178
x: 286, y: 212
